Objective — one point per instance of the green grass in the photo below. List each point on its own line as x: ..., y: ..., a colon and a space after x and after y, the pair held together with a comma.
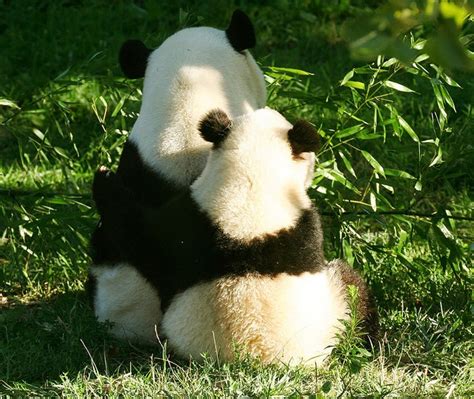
x: 69, y: 110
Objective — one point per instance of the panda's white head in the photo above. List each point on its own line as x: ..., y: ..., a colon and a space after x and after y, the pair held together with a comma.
x: 192, y: 72
x: 134, y: 55
x: 255, y: 180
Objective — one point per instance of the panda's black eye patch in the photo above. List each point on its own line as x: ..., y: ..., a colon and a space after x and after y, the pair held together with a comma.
x: 215, y: 126
x: 241, y: 33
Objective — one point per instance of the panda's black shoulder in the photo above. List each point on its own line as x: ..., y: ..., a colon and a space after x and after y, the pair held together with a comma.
x: 149, y: 186
x: 294, y: 250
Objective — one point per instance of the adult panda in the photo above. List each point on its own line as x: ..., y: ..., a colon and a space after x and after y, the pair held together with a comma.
x: 238, y: 259
x: 192, y: 72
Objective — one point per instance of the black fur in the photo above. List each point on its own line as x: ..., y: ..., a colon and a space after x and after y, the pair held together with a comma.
x: 215, y: 126
x: 367, y: 310
x: 133, y: 58
x: 90, y: 288
x: 177, y: 246
x: 303, y: 138
x: 137, y: 183
x: 149, y: 187
x: 241, y: 33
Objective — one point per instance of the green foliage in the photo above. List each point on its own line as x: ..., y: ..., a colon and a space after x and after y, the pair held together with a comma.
x: 377, y: 164
x: 350, y: 351
x: 447, y: 44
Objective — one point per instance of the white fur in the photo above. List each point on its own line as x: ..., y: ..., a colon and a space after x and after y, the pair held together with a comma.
x: 126, y: 299
x: 192, y: 72
x: 252, y: 185
x: 285, y: 318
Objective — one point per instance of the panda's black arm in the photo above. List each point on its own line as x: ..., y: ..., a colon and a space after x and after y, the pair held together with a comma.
x: 121, y: 217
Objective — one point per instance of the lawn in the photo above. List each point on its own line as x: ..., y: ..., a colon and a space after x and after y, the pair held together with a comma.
x: 403, y: 215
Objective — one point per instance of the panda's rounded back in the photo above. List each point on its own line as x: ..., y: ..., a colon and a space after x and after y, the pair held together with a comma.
x: 275, y: 297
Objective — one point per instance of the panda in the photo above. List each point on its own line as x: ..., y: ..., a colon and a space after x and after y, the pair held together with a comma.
x: 192, y: 72
x: 238, y: 258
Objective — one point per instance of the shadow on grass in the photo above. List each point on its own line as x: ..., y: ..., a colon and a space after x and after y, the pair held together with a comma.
x: 45, y: 340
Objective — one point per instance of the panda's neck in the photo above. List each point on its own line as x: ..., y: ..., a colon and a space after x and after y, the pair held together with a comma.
x: 245, y: 211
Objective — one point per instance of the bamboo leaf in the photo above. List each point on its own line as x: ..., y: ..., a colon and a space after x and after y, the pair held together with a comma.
x: 389, y: 62
x: 373, y: 162
x: 8, y: 103
x: 398, y: 86
x: 350, y: 131
x: 390, y: 189
x: 404, y: 124
x: 365, y: 135
x: 118, y: 107
x: 61, y: 152
x: 278, y: 76
x: 444, y: 230
x: 421, y: 58
x: 355, y: 84
x: 293, y: 71
x: 438, y: 158
x: 348, y: 254
x: 450, y: 81
x: 399, y: 173
x: 373, y: 201
x: 335, y: 175
x: 347, y: 77
x: 447, y: 97
x: 347, y: 164
x: 38, y: 133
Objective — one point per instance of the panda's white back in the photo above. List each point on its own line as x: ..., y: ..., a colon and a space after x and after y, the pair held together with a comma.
x: 194, y: 71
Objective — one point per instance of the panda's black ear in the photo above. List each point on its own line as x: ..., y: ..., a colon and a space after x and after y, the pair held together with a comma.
x: 215, y: 126
x: 240, y: 33
x: 303, y: 138
x: 133, y: 58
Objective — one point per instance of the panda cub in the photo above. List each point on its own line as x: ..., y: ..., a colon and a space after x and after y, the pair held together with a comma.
x: 192, y: 72
x: 238, y: 259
